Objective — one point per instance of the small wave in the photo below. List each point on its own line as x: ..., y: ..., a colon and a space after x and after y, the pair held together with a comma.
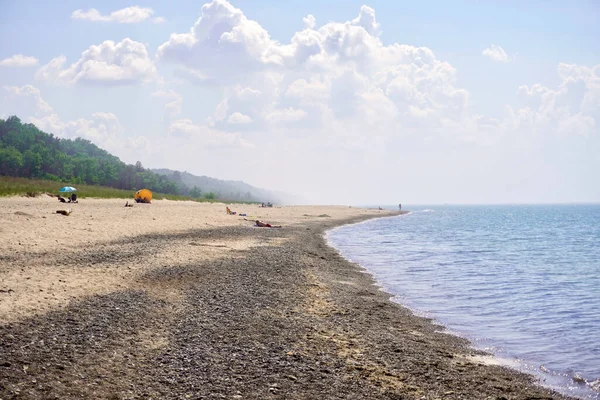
x: 500, y: 282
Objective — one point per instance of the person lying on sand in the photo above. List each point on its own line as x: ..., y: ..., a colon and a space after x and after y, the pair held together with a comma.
x: 265, y: 225
x: 61, y: 199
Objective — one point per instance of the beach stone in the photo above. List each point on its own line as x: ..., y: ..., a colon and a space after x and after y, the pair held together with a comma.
x: 248, y: 321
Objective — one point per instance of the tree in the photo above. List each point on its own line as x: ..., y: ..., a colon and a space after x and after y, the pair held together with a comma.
x: 27, y: 151
x: 195, y: 192
x: 176, y: 176
x: 32, y: 164
x: 11, y: 161
x: 210, y: 196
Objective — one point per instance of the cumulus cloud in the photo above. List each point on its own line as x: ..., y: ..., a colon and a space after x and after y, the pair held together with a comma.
x: 19, y: 60
x: 128, y: 15
x: 110, y: 63
x: 366, y: 19
x: 313, y: 91
x: 24, y: 100
x: 239, y: 118
x: 221, y: 38
x: 339, y: 76
x: 496, y: 53
x: 309, y: 21
x: 570, y: 109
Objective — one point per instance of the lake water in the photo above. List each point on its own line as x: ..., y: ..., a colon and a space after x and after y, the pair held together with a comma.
x: 522, y: 282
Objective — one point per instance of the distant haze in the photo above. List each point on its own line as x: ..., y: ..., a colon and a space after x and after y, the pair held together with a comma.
x: 231, y: 190
x: 336, y: 102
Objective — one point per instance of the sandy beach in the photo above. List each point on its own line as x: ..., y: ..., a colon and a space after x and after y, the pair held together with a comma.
x: 180, y: 300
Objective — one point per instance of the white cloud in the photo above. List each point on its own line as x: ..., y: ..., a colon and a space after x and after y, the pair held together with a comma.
x: 24, y: 100
x: 238, y: 118
x: 309, y: 21
x: 313, y: 91
x: 222, y: 42
x: 570, y: 109
x: 496, y: 53
x: 19, y: 60
x: 338, y: 76
x: 128, y: 15
x: 338, y: 89
x: 109, y: 63
x: 366, y: 19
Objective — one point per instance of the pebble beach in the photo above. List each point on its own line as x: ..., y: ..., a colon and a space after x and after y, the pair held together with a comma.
x: 177, y: 300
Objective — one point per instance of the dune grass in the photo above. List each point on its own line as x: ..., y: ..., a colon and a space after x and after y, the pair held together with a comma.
x: 10, y: 186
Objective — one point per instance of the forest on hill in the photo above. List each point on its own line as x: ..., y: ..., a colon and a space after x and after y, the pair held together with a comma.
x: 27, y: 152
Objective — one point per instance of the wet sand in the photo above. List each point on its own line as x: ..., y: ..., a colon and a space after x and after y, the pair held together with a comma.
x: 180, y: 300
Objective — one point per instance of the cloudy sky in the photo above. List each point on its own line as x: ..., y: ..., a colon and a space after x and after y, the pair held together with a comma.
x: 339, y: 101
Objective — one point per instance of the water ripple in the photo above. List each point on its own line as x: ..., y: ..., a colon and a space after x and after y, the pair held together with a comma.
x: 521, y: 281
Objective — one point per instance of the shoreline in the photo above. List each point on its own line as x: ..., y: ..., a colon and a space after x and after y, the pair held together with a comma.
x: 231, y: 312
x: 483, y: 356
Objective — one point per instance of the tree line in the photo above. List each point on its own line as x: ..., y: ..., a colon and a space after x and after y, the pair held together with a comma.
x: 26, y: 151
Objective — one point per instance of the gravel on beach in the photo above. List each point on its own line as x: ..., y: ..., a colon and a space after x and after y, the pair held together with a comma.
x: 288, y: 319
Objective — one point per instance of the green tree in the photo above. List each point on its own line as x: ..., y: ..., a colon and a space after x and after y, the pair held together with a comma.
x: 195, y: 192
x: 11, y: 161
x: 32, y: 164
x: 27, y: 151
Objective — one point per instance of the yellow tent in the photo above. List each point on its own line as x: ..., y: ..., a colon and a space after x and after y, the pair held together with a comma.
x: 143, y: 196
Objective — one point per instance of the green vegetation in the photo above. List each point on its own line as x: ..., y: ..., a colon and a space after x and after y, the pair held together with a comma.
x: 27, y: 152
x: 35, y: 162
x: 10, y: 186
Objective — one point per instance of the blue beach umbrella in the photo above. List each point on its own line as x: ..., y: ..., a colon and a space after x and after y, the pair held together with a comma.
x: 67, y: 189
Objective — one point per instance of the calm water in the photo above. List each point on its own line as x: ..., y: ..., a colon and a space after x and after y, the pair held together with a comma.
x: 520, y: 281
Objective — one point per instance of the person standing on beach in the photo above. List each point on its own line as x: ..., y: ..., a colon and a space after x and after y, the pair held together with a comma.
x: 400, y: 207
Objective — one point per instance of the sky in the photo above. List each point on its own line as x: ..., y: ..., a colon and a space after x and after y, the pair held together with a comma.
x: 338, y: 102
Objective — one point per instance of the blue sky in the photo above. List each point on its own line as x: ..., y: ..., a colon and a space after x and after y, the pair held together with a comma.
x: 360, y: 94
